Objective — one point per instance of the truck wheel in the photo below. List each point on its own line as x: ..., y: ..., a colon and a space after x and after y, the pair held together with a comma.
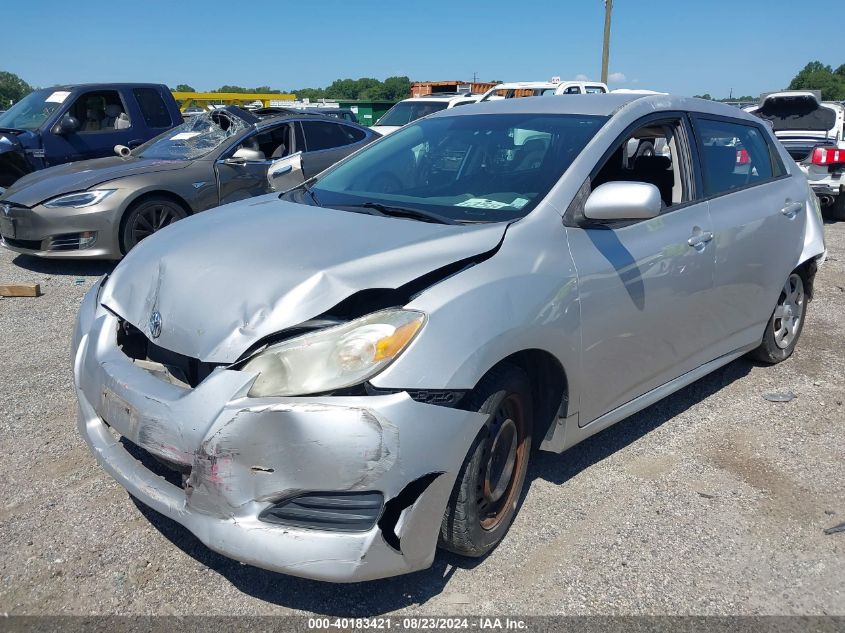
x: 147, y: 217
x: 836, y: 211
x: 785, y: 325
x: 488, y: 490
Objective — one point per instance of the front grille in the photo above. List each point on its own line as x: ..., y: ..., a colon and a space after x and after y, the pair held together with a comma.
x: 336, y: 511
x: 190, y: 371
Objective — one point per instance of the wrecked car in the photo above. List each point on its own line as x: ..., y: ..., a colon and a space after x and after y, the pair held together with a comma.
x: 813, y: 132
x: 103, y: 208
x: 356, y: 371
x: 69, y: 123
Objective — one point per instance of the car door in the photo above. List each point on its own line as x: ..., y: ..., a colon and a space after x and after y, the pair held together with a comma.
x: 326, y: 142
x: 241, y: 177
x: 645, y: 286
x: 758, y: 214
x: 104, y: 122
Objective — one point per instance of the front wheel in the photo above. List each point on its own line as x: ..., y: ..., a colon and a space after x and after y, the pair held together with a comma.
x: 147, y: 217
x: 786, y: 323
x: 489, y: 487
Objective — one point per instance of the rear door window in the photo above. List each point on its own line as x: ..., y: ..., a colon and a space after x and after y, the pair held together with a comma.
x: 153, y: 108
x: 734, y: 156
x: 320, y: 135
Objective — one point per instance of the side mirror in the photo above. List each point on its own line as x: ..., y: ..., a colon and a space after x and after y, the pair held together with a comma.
x: 67, y: 125
x: 245, y: 155
x: 623, y: 201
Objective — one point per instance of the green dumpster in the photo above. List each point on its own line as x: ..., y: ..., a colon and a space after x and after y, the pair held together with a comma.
x: 368, y: 112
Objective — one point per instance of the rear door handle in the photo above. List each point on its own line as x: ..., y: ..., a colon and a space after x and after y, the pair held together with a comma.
x: 792, y: 209
x: 700, y: 239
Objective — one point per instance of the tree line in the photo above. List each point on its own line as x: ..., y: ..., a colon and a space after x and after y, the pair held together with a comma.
x: 366, y: 88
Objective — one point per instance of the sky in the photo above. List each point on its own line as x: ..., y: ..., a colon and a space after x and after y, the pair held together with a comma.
x: 680, y: 46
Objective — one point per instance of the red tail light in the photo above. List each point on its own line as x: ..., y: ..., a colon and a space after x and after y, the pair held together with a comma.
x: 742, y: 157
x: 828, y: 156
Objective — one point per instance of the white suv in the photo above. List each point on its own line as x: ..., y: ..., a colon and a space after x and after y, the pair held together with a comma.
x: 417, y: 107
x: 813, y: 132
x: 541, y: 88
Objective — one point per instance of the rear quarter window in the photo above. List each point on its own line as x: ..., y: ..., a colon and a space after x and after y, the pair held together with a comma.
x: 735, y: 155
x: 153, y: 108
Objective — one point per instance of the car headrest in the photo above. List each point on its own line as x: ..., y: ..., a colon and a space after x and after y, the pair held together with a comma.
x: 653, y: 163
x: 534, y: 145
x: 92, y: 114
x: 113, y: 110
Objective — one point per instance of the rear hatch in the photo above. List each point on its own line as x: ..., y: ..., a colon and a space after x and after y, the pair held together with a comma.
x: 801, y: 122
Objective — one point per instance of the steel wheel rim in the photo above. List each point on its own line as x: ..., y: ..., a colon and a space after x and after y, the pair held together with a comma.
x: 152, y: 219
x: 786, y: 320
x: 502, y: 463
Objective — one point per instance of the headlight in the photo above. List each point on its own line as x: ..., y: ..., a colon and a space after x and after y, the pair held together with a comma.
x: 81, y: 199
x: 336, y: 357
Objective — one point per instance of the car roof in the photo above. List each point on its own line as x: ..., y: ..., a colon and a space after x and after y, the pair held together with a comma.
x: 597, y: 104
x: 106, y: 85
x: 275, y: 119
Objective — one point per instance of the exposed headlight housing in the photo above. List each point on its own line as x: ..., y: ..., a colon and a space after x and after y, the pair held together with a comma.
x: 335, y: 357
x: 79, y: 200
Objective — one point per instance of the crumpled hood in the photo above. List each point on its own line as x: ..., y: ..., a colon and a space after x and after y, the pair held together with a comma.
x: 225, y: 279
x: 79, y: 176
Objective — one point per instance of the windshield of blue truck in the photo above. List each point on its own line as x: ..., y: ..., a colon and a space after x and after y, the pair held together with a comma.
x: 33, y: 110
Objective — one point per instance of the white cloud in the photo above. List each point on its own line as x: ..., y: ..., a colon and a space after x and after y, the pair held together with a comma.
x: 581, y: 77
x: 616, y: 78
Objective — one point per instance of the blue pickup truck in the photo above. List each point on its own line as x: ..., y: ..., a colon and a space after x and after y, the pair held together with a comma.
x: 68, y: 123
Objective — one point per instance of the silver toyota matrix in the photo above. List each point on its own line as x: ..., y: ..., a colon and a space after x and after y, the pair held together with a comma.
x: 334, y: 381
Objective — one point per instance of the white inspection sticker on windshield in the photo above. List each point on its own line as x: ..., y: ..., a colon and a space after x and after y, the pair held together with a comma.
x: 482, y: 203
x: 57, y: 97
x: 182, y: 136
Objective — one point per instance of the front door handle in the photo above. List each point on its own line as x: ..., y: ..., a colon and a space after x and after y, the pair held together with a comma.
x: 792, y: 209
x: 700, y: 239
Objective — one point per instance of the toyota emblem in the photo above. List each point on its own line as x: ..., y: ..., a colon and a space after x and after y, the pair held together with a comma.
x: 155, y: 324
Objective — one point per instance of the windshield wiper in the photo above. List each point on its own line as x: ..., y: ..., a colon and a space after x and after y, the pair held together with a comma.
x: 305, y: 185
x: 407, y: 212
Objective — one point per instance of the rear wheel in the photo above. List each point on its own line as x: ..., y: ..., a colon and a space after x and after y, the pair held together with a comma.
x: 147, y: 217
x: 489, y: 487
x: 836, y: 211
x: 786, y: 323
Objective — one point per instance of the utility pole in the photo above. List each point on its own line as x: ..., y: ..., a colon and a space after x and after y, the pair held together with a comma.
x: 605, y: 53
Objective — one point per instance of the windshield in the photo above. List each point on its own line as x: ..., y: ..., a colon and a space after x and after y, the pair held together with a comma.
x: 195, y: 138
x: 482, y: 168
x: 33, y: 110
x: 407, y: 111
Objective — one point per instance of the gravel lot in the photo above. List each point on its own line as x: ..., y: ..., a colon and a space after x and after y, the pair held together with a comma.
x: 713, y: 501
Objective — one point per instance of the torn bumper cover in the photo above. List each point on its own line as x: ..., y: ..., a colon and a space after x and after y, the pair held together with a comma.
x: 240, y: 456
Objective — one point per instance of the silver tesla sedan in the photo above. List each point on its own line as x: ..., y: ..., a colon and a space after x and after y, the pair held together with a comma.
x: 352, y: 373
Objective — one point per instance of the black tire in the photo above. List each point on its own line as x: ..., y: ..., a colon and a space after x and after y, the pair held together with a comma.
x: 773, y: 348
x: 835, y: 211
x: 476, y: 520
x: 146, y: 217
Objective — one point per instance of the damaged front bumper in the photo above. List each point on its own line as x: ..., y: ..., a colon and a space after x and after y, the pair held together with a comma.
x: 240, y: 456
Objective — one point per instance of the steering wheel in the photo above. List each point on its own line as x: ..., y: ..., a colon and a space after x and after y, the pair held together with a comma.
x: 385, y: 182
